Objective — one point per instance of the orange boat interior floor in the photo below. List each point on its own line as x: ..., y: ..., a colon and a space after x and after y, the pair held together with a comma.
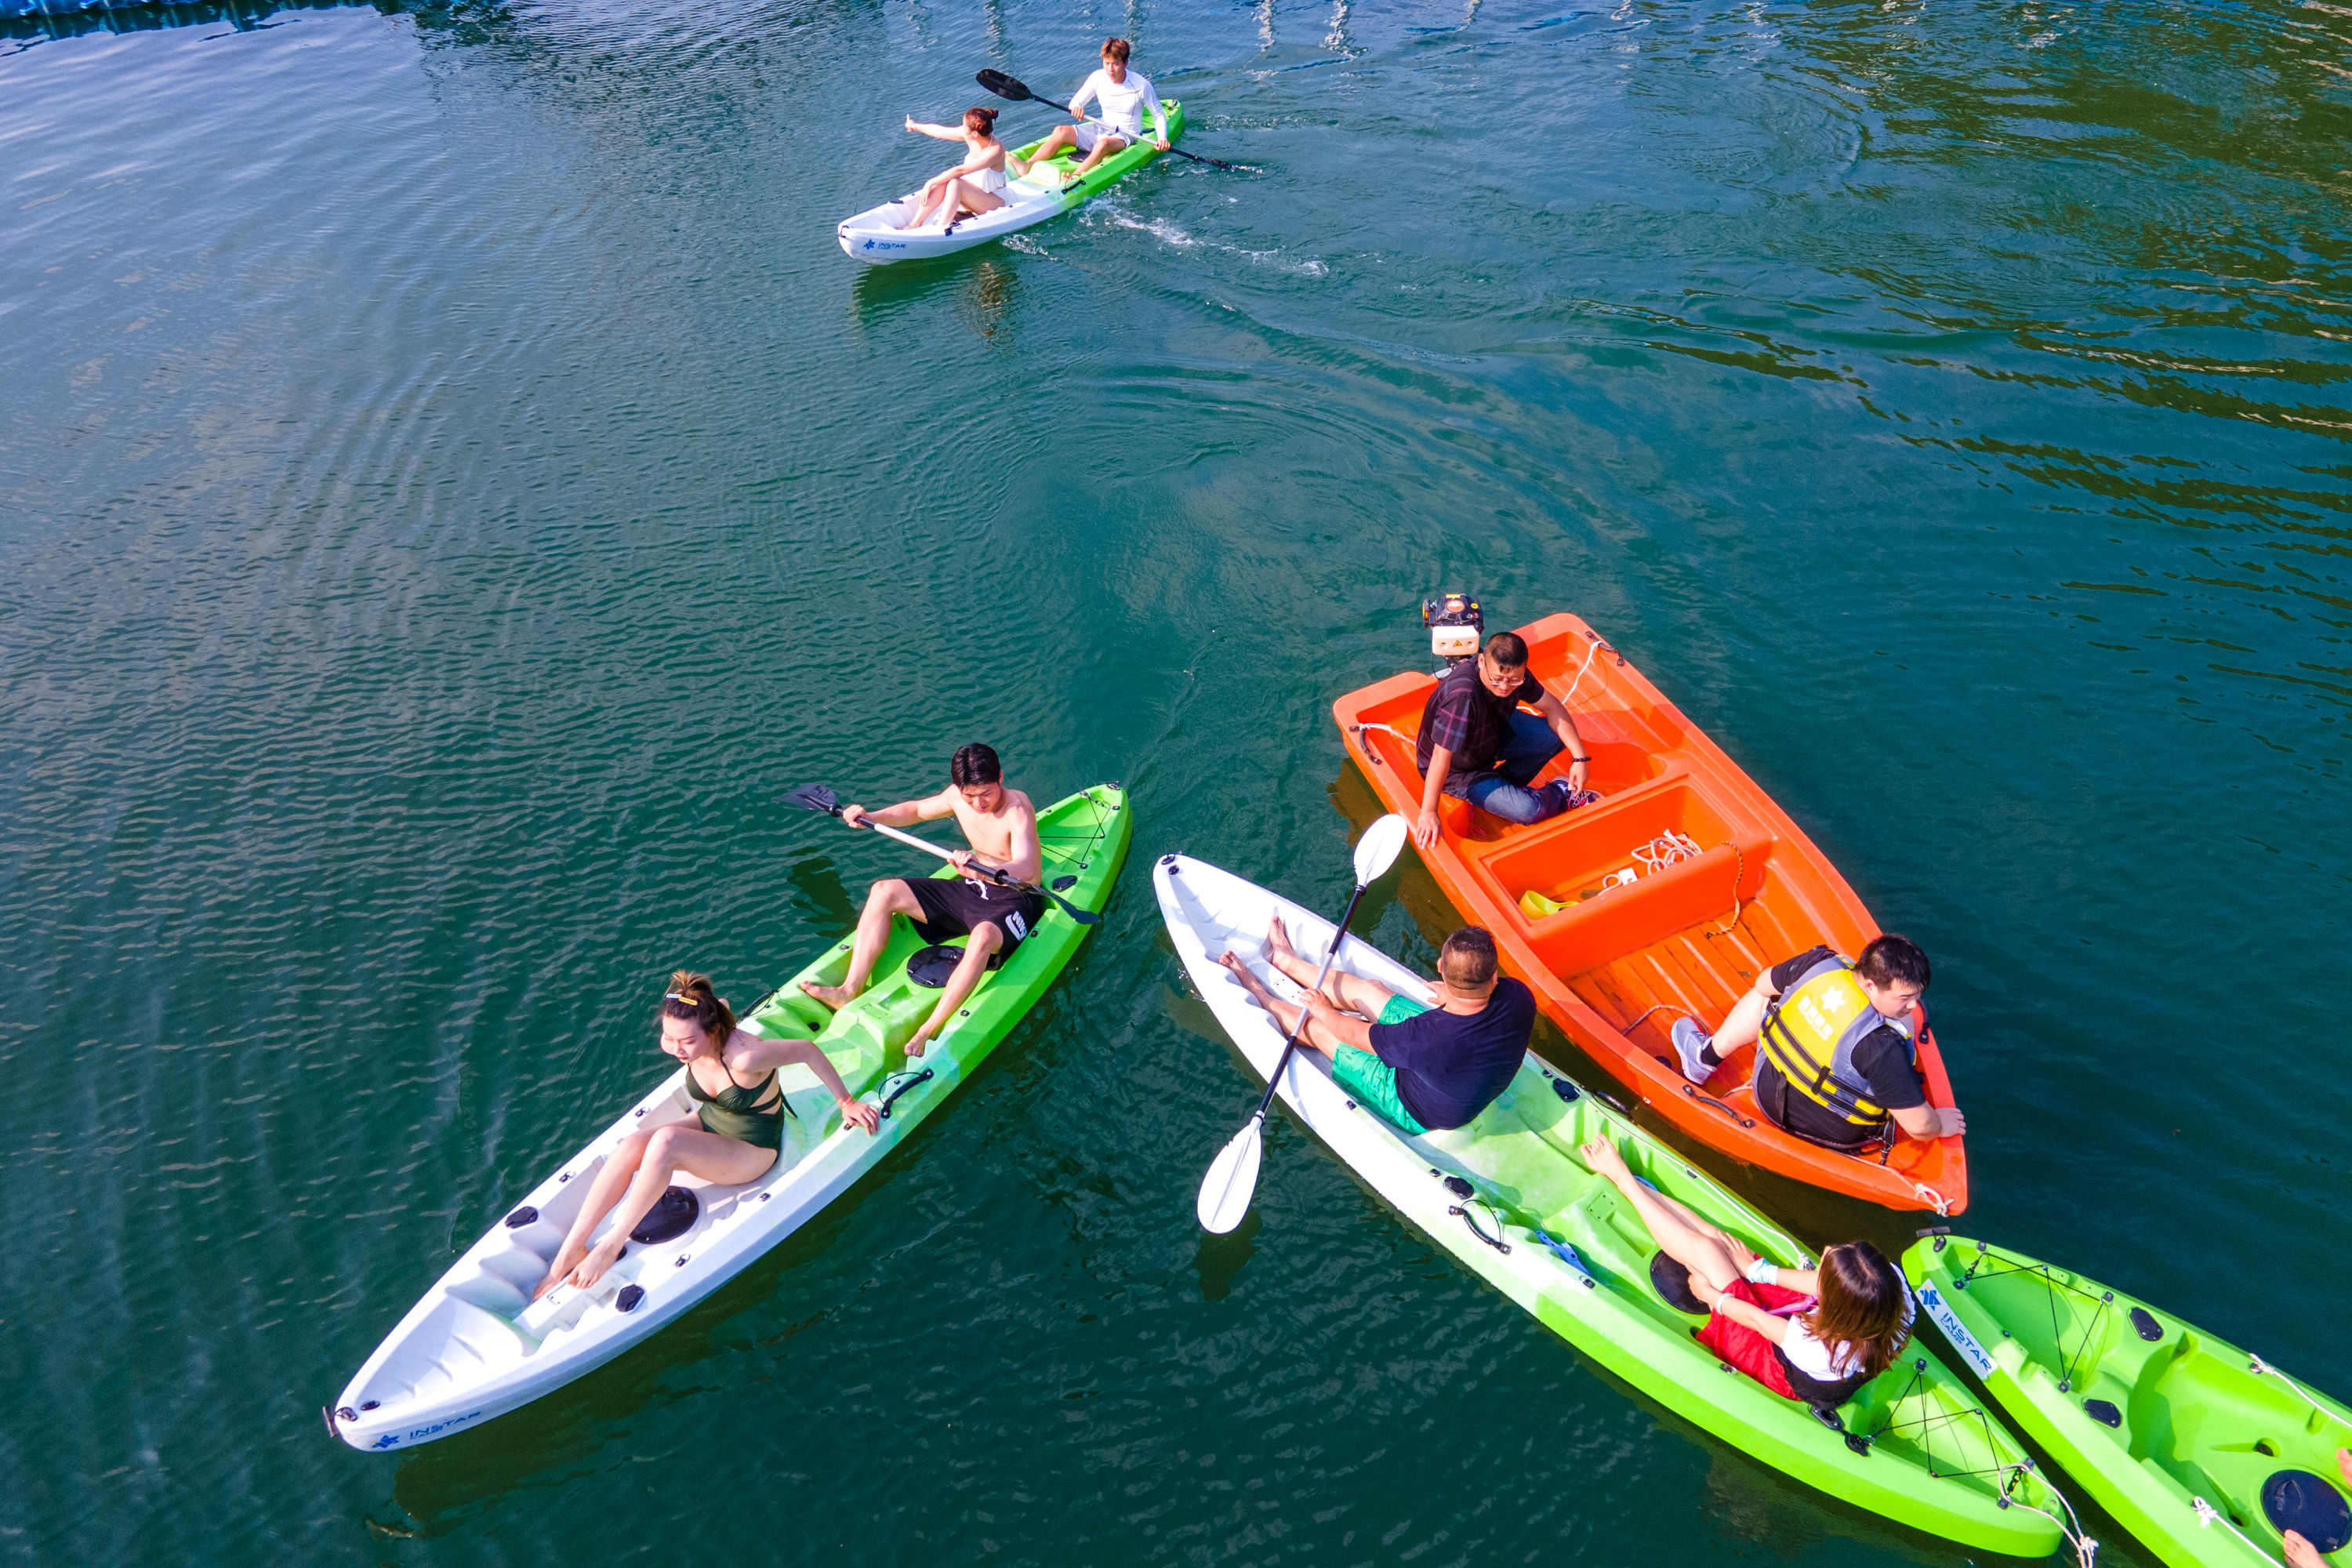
x: 1666, y: 897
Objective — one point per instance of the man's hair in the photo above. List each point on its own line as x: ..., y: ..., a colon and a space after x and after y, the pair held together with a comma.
x: 1508, y: 649
x: 1467, y: 959
x: 1891, y: 958
x: 976, y: 764
x: 1117, y: 50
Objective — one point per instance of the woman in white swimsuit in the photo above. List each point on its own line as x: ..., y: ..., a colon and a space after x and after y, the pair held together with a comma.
x: 970, y: 188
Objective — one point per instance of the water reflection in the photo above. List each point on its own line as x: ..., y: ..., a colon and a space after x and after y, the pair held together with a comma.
x: 984, y: 288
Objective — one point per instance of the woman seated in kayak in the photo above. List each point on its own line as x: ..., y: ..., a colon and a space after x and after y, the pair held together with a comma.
x: 1815, y: 1334
x: 971, y: 186
x: 731, y: 1075
x: 1426, y: 1065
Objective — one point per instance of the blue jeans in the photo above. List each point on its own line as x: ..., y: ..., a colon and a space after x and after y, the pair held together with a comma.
x: 1504, y: 790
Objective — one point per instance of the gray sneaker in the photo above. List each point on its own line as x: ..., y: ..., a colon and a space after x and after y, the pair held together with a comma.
x: 1689, y: 1040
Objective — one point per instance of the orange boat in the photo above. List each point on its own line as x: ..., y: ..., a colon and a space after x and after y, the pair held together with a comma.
x: 1625, y: 955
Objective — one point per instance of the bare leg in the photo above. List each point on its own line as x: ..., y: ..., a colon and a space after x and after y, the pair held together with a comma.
x: 667, y: 1151
x: 1348, y: 992
x: 932, y: 191
x: 1103, y: 148
x: 882, y: 900
x: 950, y: 203
x: 1740, y: 1027
x: 611, y: 1180
x: 986, y: 939
x: 1062, y: 136
x: 1704, y: 1252
x: 1286, y: 1013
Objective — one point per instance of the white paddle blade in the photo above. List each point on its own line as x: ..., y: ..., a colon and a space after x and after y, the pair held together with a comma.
x: 1378, y: 849
x: 1232, y: 1180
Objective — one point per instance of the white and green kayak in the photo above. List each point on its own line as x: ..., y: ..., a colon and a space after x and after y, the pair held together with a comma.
x: 1510, y: 1197
x: 476, y: 1345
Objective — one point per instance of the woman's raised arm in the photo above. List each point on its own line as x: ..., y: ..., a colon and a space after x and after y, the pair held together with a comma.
x: 937, y: 133
x: 753, y: 1053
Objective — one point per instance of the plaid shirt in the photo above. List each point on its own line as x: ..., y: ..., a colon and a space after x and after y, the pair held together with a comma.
x: 1469, y: 721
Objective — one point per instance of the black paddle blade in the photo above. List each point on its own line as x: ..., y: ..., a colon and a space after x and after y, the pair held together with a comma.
x: 815, y: 798
x: 1004, y: 86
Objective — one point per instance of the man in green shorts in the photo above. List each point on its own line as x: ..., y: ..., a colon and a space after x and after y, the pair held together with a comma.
x: 1425, y: 1066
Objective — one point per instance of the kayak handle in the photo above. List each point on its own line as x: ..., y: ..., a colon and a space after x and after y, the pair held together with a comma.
x: 1708, y: 1100
x: 1471, y: 1220
x: 909, y: 1082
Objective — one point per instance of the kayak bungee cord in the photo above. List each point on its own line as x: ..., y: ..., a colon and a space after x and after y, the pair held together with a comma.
x: 2071, y: 1527
x: 2104, y: 1302
x: 2208, y: 1515
x: 2261, y: 1368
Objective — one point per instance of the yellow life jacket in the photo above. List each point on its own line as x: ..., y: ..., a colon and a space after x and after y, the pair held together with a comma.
x: 1810, y: 1035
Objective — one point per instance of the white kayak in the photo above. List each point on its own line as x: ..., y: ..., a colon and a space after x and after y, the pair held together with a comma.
x: 1045, y: 191
x: 476, y: 1345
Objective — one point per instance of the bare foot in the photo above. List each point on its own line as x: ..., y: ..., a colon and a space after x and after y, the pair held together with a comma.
x: 1239, y: 969
x: 592, y: 1268
x: 1602, y: 1156
x: 567, y: 1257
x: 916, y: 1042
x: 1277, y: 942
x: 834, y: 996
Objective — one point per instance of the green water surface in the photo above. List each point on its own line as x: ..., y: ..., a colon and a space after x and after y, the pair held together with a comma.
x: 450, y: 480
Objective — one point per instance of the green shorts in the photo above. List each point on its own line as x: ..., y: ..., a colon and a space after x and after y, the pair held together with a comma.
x: 1371, y: 1080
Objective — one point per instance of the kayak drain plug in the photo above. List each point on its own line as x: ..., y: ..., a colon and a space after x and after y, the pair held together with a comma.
x: 626, y: 1301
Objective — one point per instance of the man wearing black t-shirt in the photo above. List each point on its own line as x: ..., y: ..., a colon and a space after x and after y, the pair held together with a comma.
x: 1835, y: 1056
x: 1474, y: 743
x: 1425, y: 1068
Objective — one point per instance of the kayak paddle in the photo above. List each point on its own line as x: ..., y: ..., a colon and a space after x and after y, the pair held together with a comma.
x: 816, y: 798
x: 1232, y: 1180
x: 1004, y: 86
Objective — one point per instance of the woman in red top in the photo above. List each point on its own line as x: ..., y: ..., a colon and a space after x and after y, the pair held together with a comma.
x: 1815, y: 1335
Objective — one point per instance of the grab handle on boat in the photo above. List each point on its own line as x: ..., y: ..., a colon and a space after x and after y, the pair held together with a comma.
x: 1708, y: 1100
x: 907, y: 1081
x: 1471, y: 1220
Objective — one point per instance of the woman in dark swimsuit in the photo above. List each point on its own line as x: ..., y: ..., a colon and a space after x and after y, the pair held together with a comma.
x: 731, y: 1076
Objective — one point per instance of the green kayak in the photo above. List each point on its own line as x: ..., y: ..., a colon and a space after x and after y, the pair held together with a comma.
x: 1511, y: 1198
x: 2191, y: 1443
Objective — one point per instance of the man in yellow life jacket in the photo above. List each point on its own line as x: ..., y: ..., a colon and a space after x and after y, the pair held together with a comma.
x: 1835, y: 1056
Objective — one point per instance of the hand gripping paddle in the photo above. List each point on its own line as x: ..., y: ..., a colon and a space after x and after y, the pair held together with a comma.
x: 1004, y: 86
x: 816, y: 798
x: 1232, y: 1180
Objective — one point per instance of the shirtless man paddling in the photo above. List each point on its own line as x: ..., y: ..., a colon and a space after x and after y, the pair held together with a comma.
x: 1001, y: 824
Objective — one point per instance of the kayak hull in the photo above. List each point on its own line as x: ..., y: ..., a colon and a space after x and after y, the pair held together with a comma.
x: 2193, y: 1418
x: 1616, y: 964
x: 1573, y: 1255
x: 475, y: 1346
x: 875, y: 238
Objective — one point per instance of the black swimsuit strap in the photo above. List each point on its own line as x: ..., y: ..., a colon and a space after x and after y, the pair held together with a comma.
x: 735, y: 1096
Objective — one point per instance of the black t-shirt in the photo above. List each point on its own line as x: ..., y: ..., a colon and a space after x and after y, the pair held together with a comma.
x: 1450, y: 1067
x: 1882, y: 1058
x: 1469, y: 721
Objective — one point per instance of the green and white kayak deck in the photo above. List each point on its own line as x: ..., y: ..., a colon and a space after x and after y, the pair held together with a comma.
x: 1045, y: 191
x: 1533, y: 1220
x: 476, y: 1345
x: 2173, y: 1431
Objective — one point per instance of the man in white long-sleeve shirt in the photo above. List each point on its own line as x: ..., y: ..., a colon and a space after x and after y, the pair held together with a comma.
x: 1121, y: 95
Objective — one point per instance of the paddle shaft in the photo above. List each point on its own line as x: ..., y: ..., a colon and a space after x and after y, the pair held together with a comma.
x: 1115, y: 130
x: 1083, y: 917
x: 1291, y: 1044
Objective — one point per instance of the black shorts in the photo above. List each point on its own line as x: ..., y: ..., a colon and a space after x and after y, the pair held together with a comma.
x: 953, y: 906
